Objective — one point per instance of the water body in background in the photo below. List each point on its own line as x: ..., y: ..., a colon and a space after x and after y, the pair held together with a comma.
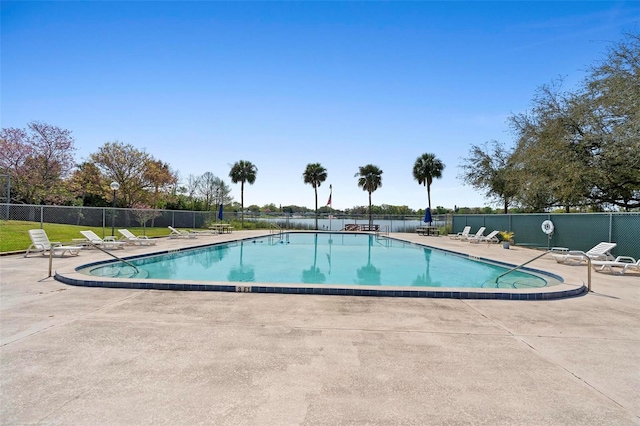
x: 399, y: 225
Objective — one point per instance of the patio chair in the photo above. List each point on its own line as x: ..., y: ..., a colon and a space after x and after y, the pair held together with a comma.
x: 175, y: 233
x: 599, y: 252
x: 461, y: 235
x: 478, y: 234
x: 620, y: 265
x: 129, y: 237
x: 40, y: 244
x: 107, y: 244
x: 491, y: 238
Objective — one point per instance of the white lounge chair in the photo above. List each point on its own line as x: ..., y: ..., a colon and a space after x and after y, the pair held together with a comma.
x: 620, y: 265
x: 129, y: 237
x: 108, y: 243
x: 461, y: 235
x: 491, y: 238
x: 204, y: 232
x: 599, y: 252
x: 478, y: 234
x: 175, y: 233
x: 40, y: 244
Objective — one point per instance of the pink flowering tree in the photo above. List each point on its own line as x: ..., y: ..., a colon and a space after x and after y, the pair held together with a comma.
x: 38, y: 159
x: 143, y: 214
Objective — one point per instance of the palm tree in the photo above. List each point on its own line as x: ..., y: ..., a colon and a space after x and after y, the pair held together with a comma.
x: 314, y: 175
x: 243, y: 171
x: 426, y: 168
x: 370, y: 179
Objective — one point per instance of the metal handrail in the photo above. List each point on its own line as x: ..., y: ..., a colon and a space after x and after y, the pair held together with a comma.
x: 274, y: 227
x: 547, y: 252
x: 99, y: 248
x: 383, y: 229
x: 114, y: 256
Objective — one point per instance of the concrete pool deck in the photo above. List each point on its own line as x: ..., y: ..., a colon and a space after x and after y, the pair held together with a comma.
x: 78, y: 355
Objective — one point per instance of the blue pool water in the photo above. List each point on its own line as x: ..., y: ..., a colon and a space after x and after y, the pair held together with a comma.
x: 343, y: 259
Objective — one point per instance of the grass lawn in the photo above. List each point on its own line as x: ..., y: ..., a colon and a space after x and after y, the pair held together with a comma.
x: 14, y: 236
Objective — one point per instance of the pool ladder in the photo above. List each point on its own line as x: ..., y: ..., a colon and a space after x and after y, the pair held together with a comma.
x: 383, y: 230
x: 275, y: 232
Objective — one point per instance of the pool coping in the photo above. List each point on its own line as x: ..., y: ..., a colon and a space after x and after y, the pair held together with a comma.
x: 559, y: 291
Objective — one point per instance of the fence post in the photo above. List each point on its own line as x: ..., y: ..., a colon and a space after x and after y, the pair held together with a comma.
x: 50, y: 263
x: 41, y: 217
x: 8, y: 193
x: 610, y: 225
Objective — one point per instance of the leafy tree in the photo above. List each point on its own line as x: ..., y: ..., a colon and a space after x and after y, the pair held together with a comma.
x: 269, y: 208
x: 441, y: 210
x: 235, y: 206
x: 314, y: 175
x: 294, y: 209
x: 208, y: 187
x: 125, y: 164
x: 14, y: 151
x: 243, y: 171
x: 142, y: 178
x: 550, y: 146
x: 369, y: 179
x: 388, y: 209
x: 584, y: 147
x: 611, y: 101
x: 490, y: 169
x: 191, y: 189
x: 480, y: 210
x: 38, y: 160
x: 205, y: 192
x: 161, y: 179
x: 54, y: 148
x: 223, y: 193
x: 143, y: 214
x: 426, y: 168
x: 357, y: 210
x: 87, y: 184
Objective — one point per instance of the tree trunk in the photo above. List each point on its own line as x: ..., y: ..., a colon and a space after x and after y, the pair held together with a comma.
x: 242, y: 204
x: 370, y: 217
x: 316, y: 191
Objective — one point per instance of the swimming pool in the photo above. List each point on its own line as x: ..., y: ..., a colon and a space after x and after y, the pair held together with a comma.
x: 324, y: 259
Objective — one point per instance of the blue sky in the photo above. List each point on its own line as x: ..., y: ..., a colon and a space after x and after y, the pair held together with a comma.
x: 201, y: 85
